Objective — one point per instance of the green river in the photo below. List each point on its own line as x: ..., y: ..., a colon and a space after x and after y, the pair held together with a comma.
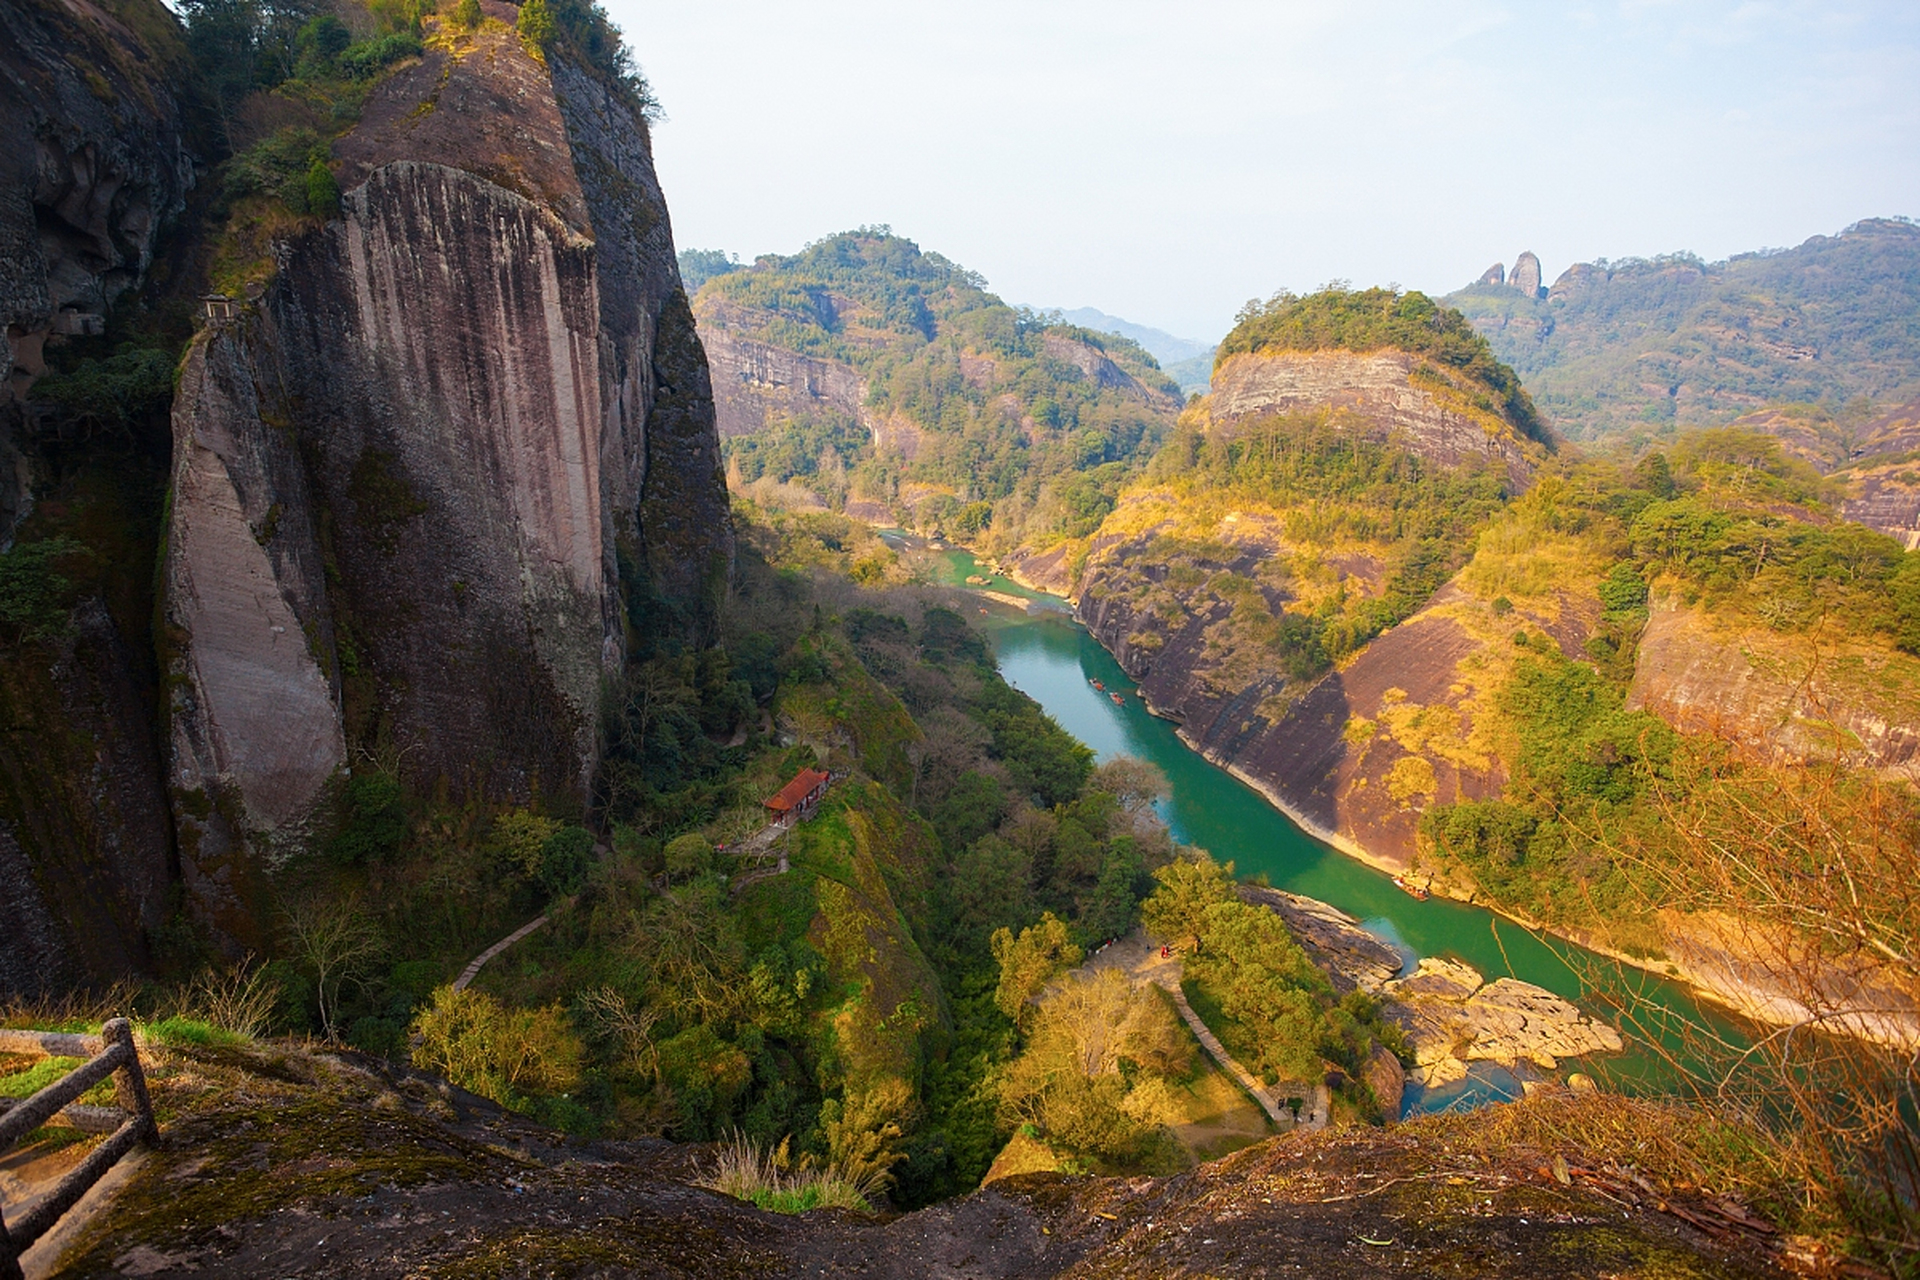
x: 1049, y: 656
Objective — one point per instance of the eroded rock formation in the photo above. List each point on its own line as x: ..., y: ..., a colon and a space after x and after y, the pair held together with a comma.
x: 1453, y: 1018
x: 755, y: 382
x: 99, y: 158
x: 1103, y: 372
x: 1352, y: 958
x: 461, y: 443
x: 1376, y: 394
x: 1525, y: 275
x: 1777, y: 696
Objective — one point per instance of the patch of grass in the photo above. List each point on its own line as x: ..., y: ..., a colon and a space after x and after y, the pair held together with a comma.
x: 25, y: 1083
x: 774, y: 1181
x: 180, y: 1031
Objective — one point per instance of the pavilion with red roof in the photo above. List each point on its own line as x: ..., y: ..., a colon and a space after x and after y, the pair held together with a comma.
x: 797, y: 799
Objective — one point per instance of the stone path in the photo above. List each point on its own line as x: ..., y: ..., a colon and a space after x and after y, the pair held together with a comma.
x: 472, y: 971
x: 1140, y: 957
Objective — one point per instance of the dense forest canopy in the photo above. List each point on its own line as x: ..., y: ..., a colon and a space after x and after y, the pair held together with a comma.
x: 1013, y: 434
x: 1651, y: 343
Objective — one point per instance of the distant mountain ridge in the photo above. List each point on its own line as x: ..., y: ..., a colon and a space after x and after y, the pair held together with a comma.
x: 1644, y: 345
x: 867, y: 376
x: 1160, y: 344
x: 1187, y: 362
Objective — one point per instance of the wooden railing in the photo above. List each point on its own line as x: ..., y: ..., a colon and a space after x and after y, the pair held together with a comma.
x: 111, y: 1053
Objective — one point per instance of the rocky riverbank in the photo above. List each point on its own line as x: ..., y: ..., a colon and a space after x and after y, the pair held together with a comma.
x: 1453, y: 1017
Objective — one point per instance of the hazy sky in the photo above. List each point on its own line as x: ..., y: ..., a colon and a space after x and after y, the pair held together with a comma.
x: 1164, y: 162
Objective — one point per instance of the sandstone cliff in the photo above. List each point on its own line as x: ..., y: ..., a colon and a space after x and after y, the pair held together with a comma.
x: 756, y: 383
x: 427, y: 483
x: 99, y: 161
x: 1384, y: 394
x: 1781, y: 697
x: 1357, y: 755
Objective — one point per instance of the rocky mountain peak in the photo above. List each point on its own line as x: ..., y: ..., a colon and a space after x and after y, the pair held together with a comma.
x: 1494, y: 275
x: 1525, y: 275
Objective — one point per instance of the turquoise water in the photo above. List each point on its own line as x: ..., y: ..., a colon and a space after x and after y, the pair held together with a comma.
x: 1051, y: 658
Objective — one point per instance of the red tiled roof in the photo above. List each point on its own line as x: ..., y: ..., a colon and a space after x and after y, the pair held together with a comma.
x: 794, y: 793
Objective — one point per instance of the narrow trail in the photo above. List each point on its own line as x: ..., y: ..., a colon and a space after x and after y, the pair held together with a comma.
x: 1140, y: 957
x: 472, y: 971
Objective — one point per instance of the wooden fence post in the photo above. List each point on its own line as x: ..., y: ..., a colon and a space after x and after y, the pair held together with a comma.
x: 130, y: 1082
x: 9, y: 1257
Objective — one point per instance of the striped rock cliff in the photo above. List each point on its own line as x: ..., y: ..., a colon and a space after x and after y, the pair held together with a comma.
x: 456, y: 446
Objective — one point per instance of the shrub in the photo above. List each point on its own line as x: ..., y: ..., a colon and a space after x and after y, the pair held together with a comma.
x: 375, y: 823
x: 239, y: 999
x: 33, y: 596
x: 323, y: 190
x: 498, y: 1052
x: 771, y: 1179
x: 688, y: 855
x: 121, y: 390
x: 363, y: 60
x: 535, y: 24
x: 1623, y: 589
x: 520, y: 839
x: 564, y: 859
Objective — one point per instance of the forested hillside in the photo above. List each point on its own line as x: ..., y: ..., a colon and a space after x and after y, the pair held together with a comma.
x: 1641, y: 346
x: 868, y: 375
x: 1548, y: 688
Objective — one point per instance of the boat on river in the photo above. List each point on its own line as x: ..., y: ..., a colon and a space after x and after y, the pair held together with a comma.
x: 1118, y: 700
x: 1419, y: 892
x: 1096, y: 684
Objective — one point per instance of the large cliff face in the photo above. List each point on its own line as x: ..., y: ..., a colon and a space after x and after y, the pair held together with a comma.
x: 755, y: 383
x: 1355, y: 755
x: 1384, y: 394
x: 1781, y: 697
x: 426, y: 485
x: 98, y: 160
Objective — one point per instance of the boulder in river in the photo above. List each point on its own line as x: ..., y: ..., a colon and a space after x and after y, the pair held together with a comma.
x: 1452, y: 1018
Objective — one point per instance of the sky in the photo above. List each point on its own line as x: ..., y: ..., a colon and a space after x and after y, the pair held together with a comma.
x: 1166, y: 162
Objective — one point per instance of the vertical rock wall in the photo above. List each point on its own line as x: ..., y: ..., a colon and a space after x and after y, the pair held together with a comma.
x: 462, y: 443
x: 665, y: 488
x: 98, y: 160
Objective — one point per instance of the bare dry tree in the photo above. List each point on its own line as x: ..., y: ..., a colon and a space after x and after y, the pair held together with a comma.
x: 239, y: 997
x: 629, y: 1026
x: 334, y: 938
x: 1801, y: 885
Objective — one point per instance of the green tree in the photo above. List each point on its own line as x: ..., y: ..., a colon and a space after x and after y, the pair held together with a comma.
x: 1030, y: 961
x: 564, y: 859
x: 323, y: 190
x: 520, y: 838
x: 376, y: 822
x: 33, y: 597
x: 466, y: 14
x: 1188, y: 888
x: 535, y: 24
x: 688, y: 855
